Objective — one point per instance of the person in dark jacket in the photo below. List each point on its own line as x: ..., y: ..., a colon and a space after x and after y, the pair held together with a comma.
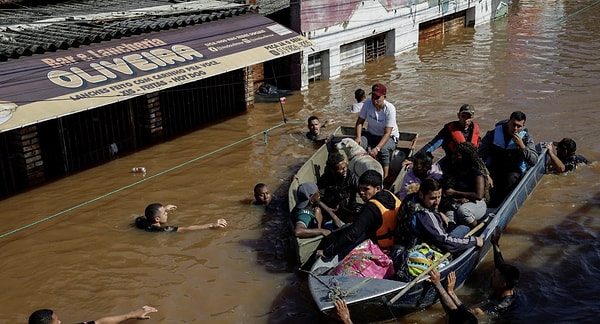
x: 339, y: 187
x: 376, y: 221
x: 508, y: 151
x: 566, y: 158
x: 453, y: 133
x: 432, y: 227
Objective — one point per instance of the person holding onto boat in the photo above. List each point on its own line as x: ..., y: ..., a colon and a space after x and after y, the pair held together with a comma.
x: 566, y: 158
x: 315, y: 129
x: 382, y: 134
x: 457, y: 311
x: 156, y: 216
x: 262, y: 194
x: 453, y: 133
x: 422, y: 219
x: 48, y: 316
x: 339, y: 187
x: 504, y: 279
x: 307, y: 215
x: 376, y: 221
x: 508, y: 151
x: 342, y: 311
x: 361, y: 96
x: 421, y: 168
x: 465, y: 186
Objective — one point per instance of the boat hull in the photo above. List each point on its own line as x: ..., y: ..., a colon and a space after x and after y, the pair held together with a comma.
x: 370, y: 301
x: 312, y: 170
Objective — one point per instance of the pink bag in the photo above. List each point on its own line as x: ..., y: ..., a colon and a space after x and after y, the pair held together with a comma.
x: 365, y: 260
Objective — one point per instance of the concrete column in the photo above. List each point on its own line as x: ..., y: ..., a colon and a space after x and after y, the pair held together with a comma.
x: 331, y: 63
x: 28, y: 156
x: 153, y: 116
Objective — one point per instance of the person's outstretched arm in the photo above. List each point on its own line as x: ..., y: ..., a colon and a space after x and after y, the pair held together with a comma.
x: 141, y: 313
x: 445, y: 299
x: 556, y: 163
x: 495, y: 240
x: 220, y: 223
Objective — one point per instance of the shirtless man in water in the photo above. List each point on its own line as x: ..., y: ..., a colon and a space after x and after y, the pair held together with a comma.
x: 155, y: 220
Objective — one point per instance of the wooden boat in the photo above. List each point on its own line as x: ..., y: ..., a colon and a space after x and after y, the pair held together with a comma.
x: 371, y: 299
x: 314, y: 167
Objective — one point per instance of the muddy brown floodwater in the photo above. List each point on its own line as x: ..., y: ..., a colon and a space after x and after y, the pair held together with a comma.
x: 70, y: 245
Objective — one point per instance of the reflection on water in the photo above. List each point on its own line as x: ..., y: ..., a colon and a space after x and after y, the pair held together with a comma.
x: 85, y: 260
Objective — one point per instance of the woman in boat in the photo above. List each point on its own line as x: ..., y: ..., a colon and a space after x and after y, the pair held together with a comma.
x: 421, y: 169
x: 156, y: 216
x: 466, y: 188
x: 339, y: 187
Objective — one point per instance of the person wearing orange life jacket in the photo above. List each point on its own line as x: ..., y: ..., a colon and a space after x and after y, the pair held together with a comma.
x: 453, y: 133
x: 376, y: 221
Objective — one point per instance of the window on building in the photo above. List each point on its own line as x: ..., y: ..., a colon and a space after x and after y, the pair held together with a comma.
x: 374, y: 47
x: 314, y: 67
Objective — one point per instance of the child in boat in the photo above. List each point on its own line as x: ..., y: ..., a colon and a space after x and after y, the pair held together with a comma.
x: 155, y: 220
x: 307, y: 216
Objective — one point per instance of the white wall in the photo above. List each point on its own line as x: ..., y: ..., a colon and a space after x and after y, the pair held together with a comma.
x: 402, y: 25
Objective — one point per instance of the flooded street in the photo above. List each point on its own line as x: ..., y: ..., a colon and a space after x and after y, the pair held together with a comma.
x: 71, y: 245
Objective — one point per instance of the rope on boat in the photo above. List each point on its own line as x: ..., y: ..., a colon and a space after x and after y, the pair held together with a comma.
x: 263, y: 133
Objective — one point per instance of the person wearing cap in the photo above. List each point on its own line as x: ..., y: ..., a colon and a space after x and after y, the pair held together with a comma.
x: 453, y: 133
x: 508, y: 151
x: 339, y: 187
x: 377, y: 219
x: 307, y: 215
x: 361, y: 96
x: 565, y: 159
x: 382, y: 133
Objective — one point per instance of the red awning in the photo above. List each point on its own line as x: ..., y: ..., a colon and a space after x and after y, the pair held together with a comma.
x: 43, y: 87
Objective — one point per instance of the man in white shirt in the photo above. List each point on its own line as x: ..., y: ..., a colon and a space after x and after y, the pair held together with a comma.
x: 382, y: 133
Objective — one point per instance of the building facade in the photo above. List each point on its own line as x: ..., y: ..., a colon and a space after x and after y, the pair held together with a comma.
x: 350, y: 33
x: 86, y: 84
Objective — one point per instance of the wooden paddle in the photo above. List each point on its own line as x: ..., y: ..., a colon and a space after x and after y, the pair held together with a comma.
x: 434, y: 265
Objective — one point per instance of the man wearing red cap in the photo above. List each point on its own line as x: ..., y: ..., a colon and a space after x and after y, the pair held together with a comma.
x: 382, y: 132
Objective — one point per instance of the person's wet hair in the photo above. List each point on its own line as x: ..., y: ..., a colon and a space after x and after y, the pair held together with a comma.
x: 429, y: 185
x: 568, y: 144
x: 518, y: 115
x: 150, y: 213
x: 42, y: 316
x: 333, y: 159
x: 371, y: 178
x: 259, y: 186
x: 311, y: 118
x: 359, y: 94
x: 426, y: 157
x: 510, y: 274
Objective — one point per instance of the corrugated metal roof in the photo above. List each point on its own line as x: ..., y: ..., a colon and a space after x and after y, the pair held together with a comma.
x: 36, y: 30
